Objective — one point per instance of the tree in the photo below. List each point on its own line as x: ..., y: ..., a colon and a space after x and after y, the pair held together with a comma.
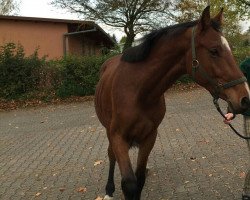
x: 8, y: 6
x: 123, y: 40
x: 234, y: 11
x: 246, y: 2
x: 114, y: 38
x: 133, y: 16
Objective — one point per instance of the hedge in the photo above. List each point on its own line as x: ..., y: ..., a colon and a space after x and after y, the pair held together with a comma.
x: 19, y: 74
x: 33, y: 77
x: 79, y: 75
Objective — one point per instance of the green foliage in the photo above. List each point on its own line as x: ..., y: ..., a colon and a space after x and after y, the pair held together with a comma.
x: 241, y: 47
x: 185, y: 79
x: 241, y: 53
x: 123, y: 40
x: 32, y: 77
x: 79, y: 75
x: 234, y: 11
x: 19, y: 74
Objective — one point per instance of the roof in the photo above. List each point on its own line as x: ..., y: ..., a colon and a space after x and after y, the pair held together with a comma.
x: 52, y: 20
x: 39, y: 19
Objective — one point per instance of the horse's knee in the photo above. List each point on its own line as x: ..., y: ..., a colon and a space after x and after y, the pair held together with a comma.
x: 129, y: 187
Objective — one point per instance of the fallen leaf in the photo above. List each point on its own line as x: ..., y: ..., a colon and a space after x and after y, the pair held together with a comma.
x: 38, y: 194
x: 62, y: 189
x: 193, y: 158
x: 82, y: 189
x: 98, y: 162
x: 99, y: 198
x: 204, y: 141
x: 242, y: 174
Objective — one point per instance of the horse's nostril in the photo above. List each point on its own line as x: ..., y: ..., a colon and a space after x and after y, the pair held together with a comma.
x: 245, y: 103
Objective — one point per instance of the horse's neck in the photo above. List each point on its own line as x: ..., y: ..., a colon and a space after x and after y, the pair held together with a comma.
x: 168, y: 65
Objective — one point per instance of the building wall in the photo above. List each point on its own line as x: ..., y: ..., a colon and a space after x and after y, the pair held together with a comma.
x: 75, y: 45
x: 47, y: 36
x: 82, y: 45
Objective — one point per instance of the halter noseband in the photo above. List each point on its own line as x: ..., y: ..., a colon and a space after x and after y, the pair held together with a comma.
x: 218, y: 87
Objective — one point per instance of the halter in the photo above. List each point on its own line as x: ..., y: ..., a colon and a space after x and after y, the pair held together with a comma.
x: 218, y: 87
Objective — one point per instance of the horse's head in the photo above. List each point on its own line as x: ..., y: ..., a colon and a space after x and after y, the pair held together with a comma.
x: 213, y: 64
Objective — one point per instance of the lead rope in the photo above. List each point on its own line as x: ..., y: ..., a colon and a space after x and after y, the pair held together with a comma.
x: 231, y: 126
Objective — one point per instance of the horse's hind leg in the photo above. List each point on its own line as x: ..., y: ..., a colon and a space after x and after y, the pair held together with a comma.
x: 110, y: 187
x: 144, y: 151
x: 128, y: 182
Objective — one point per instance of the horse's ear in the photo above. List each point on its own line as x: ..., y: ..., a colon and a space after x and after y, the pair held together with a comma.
x: 219, y: 17
x: 205, y: 19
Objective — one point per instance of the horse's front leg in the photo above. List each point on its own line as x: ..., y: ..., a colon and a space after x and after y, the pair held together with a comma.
x: 145, y: 148
x: 246, y: 190
x: 121, y: 150
x: 110, y: 187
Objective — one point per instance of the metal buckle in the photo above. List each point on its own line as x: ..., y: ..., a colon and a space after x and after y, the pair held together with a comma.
x: 195, y: 64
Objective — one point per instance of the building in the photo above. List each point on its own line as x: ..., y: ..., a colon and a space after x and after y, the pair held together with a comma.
x: 54, y: 37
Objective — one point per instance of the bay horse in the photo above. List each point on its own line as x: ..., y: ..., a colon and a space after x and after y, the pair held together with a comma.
x: 129, y: 99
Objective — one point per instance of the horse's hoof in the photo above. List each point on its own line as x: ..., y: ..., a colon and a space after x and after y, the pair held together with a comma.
x: 245, y: 197
x: 107, y: 197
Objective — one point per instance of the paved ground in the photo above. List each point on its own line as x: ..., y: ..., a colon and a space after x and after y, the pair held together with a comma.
x: 59, y: 152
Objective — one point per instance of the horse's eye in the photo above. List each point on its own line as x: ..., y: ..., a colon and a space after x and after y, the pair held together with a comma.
x: 214, y: 52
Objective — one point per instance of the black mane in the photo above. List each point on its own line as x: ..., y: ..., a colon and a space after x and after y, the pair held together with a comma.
x: 140, y: 52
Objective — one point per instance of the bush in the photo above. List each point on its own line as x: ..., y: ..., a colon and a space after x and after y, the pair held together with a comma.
x: 19, y: 74
x: 28, y: 77
x: 241, y: 53
x: 80, y: 75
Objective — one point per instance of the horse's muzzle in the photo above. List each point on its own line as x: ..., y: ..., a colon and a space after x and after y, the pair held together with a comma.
x: 242, y: 107
x: 245, y: 103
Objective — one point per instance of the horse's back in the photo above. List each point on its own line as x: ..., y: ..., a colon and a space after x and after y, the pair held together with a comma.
x: 103, y: 99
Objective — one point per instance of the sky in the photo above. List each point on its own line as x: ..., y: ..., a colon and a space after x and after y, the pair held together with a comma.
x: 42, y: 8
